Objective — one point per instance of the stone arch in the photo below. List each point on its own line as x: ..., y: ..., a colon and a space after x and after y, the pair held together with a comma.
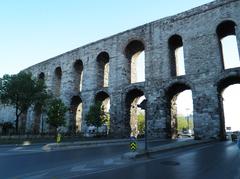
x: 133, y: 87
x: 132, y: 52
x: 57, y: 81
x: 226, y: 32
x: 104, y: 98
x: 78, y: 75
x: 38, y: 115
x: 103, y: 69
x: 222, y: 84
x: 101, y: 95
x: 226, y: 28
x: 131, y: 109
x: 176, y: 55
x: 76, y: 109
x: 172, y: 93
x: 41, y: 76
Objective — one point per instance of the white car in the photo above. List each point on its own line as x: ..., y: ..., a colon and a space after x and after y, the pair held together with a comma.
x: 94, y: 131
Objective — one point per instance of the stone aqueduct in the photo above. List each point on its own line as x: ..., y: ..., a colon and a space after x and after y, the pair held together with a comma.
x: 105, y: 70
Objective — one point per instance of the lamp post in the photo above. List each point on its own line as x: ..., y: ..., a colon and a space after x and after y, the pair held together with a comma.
x: 187, y: 109
x: 143, y: 106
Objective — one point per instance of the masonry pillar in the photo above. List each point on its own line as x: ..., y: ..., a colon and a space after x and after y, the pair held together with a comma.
x: 206, y: 111
x: 238, y: 39
x: 117, y: 123
x: 157, y: 115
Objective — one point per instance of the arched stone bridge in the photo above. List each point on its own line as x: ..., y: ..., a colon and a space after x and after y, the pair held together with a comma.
x: 106, y: 70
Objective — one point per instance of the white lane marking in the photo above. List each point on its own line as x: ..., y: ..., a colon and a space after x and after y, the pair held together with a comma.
x: 80, y: 168
x: 4, y: 154
x: 77, y: 168
x: 108, y: 161
x: 29, y: 150
x: 23, y: 149
x: 16, y: 149
x: 38, y: 176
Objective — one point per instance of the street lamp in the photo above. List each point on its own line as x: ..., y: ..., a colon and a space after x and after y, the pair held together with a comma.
x: 143, y: 106
x: 187, y: 109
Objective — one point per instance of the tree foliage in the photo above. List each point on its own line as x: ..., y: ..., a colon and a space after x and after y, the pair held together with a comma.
x: 21, y: 91
x: 96, y: 115
x: 141, y: 123
x: 183, y: 123
x: 41, y: 96
x: 56, y: 113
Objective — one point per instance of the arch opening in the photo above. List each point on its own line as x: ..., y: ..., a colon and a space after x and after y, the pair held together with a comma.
x: 38, y: 114
x: 78, y: 75
x: 229, y: 99
x: 104, y: 99
x: 103, y: 69
x: 41, y: 76
x: 180, y: 123
x: 135, y: 116
x: 228, y: 44
x: 57, y: 81
x: 135, y: 53
x: 176, y: 55
x: 76, y: 115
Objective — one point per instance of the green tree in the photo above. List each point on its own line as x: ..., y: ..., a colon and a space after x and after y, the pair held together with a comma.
x: 20, y: 91
x: 96, y: 115
x: 183, y: 123
x: 56, y: 113
x: 141, y: 123
x: 108, y: 122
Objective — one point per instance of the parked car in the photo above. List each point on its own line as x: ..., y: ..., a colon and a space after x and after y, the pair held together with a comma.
x: 94, y: 131
x: 234, y: 135
x: 186, y: 133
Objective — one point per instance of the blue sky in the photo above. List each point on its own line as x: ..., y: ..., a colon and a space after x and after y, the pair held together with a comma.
x: 33, y: 31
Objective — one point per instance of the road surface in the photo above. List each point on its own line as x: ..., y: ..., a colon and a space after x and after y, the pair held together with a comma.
x: 216, y: 160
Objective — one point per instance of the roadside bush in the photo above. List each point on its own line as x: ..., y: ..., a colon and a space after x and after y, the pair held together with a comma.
x: 7, y: 128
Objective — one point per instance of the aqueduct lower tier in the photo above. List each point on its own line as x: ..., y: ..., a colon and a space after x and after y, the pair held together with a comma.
x: 106, y: 70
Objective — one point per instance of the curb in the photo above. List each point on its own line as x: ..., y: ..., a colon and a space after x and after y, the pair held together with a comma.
x: 166, y: 147
x: 85, y: 144
x: 73, y: 145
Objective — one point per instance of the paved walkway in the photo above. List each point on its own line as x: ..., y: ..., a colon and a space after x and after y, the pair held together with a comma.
x: 156, y: 145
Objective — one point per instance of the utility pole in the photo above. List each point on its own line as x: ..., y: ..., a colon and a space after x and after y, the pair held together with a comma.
x: 146, y: 130
x: 143, y: 106
x: 187, y: 111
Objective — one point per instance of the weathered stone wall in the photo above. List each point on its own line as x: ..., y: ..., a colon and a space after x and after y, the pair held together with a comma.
x: 203, y: 67
x: 7, y: 114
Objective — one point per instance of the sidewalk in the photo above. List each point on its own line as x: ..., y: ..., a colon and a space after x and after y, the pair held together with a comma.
x: 165, y: 147
x: 168, y: 145
x: 84, y: 144
x: 93, y: 143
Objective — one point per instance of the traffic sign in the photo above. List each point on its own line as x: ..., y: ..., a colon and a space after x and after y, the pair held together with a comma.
x: 59, y: 138
x: 133, y: 144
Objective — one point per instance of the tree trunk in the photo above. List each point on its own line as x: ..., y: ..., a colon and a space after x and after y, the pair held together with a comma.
x: 17, y: 119
x: 23, y: 122
x: 37, y: 119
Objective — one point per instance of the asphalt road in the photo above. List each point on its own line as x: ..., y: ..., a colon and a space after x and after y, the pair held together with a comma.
x: 28, y: 161
x: 218, y: 160
x: 212, y: 161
